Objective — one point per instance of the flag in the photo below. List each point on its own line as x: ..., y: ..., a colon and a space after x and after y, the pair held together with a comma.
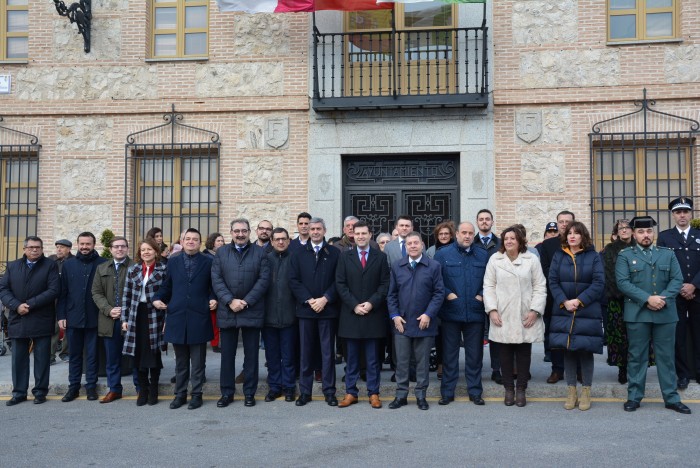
x: 289, y: 6
x: 434, y: 1
x: 266, y: 6
x: 351, y: 5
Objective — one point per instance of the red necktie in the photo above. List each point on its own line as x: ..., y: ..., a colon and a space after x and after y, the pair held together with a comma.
x: 363, y: 260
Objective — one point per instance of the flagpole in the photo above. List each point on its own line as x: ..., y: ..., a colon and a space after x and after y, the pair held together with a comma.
x: 393, y: 48
x: 317, y: 94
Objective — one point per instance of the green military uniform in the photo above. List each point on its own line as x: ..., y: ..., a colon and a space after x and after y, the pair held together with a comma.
x: 641, y: 273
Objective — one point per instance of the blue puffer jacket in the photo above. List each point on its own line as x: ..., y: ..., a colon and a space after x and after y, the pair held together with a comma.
x: 463, y: 275
x: 577, y: 276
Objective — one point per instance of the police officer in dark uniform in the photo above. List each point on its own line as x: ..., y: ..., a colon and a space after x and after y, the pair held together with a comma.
x: 650, y: 278
x: 685, y: 242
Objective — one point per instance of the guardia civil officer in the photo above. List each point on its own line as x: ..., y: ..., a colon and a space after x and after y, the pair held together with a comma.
x: 650, y: 279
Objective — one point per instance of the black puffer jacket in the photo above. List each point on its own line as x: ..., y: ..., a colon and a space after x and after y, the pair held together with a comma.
x: 280, y: 308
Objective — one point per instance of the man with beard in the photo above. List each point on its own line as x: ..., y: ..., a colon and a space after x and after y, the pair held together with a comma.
x: 240, y: 277
x: 264, y: 231
x: 650, y: 278
x: 29, y: 289
x: 77, y: 314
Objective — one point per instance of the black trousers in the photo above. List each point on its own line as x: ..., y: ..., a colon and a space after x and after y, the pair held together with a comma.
x: 251, y: 348
x: 190, y: 363
x: 521, y: 353
x: 20, y: 366
x: 688, y: 320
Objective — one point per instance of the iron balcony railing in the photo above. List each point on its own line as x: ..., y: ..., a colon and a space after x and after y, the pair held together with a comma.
x: 399, y: 69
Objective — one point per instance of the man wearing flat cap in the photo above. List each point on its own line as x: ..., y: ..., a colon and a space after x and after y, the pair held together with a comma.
x: 685, y: 242
x: 650, y: 278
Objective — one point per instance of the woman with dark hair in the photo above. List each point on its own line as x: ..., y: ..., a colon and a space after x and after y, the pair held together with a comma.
x: 156, y: 234
x: 214, y: 241
x: 515, y: 294
x: 615, y: 328
x: 142, y: 322
x: 444, y: 234
x: 577, y: 281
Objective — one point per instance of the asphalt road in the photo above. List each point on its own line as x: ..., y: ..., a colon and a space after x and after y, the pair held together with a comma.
x: 86, y: 433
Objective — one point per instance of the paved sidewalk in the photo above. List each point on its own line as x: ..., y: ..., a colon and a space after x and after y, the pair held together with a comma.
x: 605, y: 383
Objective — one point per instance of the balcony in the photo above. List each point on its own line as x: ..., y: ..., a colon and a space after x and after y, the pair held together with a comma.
x: 400, y: 69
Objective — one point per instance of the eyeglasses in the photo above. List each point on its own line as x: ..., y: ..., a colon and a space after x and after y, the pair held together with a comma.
x: 33, y: 247
x: 119, y: 247
x: 280, y: 239
x: 240, y: 231
x: 624, y: 228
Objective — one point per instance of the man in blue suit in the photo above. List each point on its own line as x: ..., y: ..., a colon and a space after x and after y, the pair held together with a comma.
x: 187, y: 298
x: 685, y: 242
x: 416, y: 292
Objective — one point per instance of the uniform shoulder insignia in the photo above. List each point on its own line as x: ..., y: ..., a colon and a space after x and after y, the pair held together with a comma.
x: 663, y: 248
x: 627, y: 249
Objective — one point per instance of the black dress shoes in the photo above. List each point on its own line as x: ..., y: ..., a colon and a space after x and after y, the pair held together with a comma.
x: 422, y: 404
x: 631, y: 405
x: 70, y: 396
x: 683, y: 383
x: 445, y: 400
x: 477, y: 400
x: 91, y: 394
x: 224, y: 401
x: 195, y: 402
x: 331, y: 400
x: 16, y: 400
x: 272, y: 396
x: 678, y: 407
x: 497, y: 377
x: 249, y: 401
x: 39, y: 399
x: 177, y: 402
x: 398, y: 403
x: 303, y: 399
x: 289, y: 397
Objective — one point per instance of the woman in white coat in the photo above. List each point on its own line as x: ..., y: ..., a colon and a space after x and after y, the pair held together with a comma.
x: 515, y: 293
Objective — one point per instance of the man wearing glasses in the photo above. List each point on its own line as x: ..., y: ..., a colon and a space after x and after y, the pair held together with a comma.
x: 264, y: 231
x: 29, y: 289
x: 240, y: 277
x: 107, y: 290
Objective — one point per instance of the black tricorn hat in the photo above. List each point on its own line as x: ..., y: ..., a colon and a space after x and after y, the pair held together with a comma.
x: 642, y: 222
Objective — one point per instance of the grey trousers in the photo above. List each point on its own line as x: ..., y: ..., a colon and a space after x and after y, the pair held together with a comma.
x: 184, y: 354
x: 404, y: 347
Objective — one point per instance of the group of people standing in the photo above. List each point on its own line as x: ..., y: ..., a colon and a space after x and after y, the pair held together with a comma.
x: 301, y: 294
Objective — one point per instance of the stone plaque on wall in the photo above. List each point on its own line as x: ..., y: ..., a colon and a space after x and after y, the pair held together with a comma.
x: 528, y: 125
x: 276, y: 131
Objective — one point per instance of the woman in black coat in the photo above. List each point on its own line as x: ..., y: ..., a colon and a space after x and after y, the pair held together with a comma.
x: 577, y: 282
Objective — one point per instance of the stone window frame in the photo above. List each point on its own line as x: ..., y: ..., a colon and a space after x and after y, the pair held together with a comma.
x: 7, y: 6
x: 634, y: 152
x: 19, y: 194
x: 180, y: 31
x: 641, y: 12
x: 171, y: 175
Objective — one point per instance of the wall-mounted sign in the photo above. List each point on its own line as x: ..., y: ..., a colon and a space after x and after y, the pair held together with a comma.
x: 5, y: 84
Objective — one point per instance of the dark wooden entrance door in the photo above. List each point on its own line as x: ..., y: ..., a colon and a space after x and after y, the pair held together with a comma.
x: 380, y: 188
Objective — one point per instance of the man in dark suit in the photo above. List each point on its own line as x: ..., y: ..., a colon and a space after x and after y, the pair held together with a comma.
x: 187, y: 298
x: 240, y: 276
x: 29, y: 288
x: 416, y: 292
x: 547, y: 250
x: 312, y: 281
x: 303, y: 219
x: 685, y: 242
x: 362, y: 281
x: 490, y: 242
x: 396, y: 249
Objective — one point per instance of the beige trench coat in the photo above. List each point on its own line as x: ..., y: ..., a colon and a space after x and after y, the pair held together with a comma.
x: 513, y: 289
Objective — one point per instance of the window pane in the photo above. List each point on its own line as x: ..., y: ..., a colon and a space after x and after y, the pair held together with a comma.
x: 196, y: 17
x: 200, y: 169
x: 623, y: 27
x: 659, y: 3
x: 369, y: 19
x: 429, y: 46
x: 21, y: 172
x: 17, y: 2
x: 204, y: 224
x: 618, y: 163
x: 166, y: 44
x: 17, y: 47
x: 671, y: 163
x: 20, y: 226
x: 427, y: 14
x: 21, y: 199
x: 166, y: 18
x: 156, y: 170
x: 198, y: 199
x: 157, y: 199
x: 623, y: 4
x: 196, y: 44
x: 659, y: 24
x: 17, y: 21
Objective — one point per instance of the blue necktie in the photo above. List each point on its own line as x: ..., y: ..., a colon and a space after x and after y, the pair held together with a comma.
x: 403, y: 247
